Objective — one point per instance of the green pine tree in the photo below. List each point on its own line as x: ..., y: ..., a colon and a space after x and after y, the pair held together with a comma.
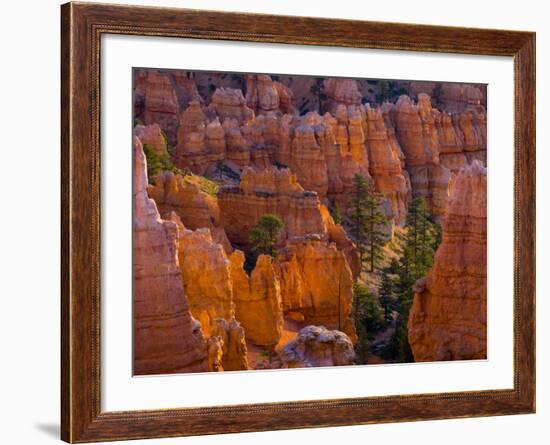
x: 420, y: 241
x: 358, y: 213
x: 336, y: 215
x: 368, y: 317
x: 385, y: 295
x: 367, y: 221
x: 263, y: 236
x: 375, y: 220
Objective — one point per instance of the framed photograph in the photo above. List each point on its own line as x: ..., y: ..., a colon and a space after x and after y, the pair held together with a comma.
x: 274, y: 222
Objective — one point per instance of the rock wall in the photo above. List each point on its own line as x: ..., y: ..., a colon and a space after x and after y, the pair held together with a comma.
x: 264, y: 95
x: 200, y: 143
x: 448, y: 319
x: 385, y: 165
x: 257, y: 300
x: 230, y: 103
x: 197, y: 209
x: 341, y: 91
x: 316, y: 281
x: 160, y: 104
x: 166, y: 337
x: 151, y: 135
x: 208, y: 285
x: 417, y: 134
x: 206, y: 277
x: 273, y: 191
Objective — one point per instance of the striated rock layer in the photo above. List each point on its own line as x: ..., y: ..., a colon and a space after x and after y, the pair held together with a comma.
x: 166, y: 337
x: 151, y: 135
x: 197, y: 209
x: 385, y: 159
x: 264, y: 95
x: 206, y: 276
x: 273, y: 191
x: 160, y: 104
x: 317, y: 346
x: 448, y: 319
x: 316, y: 281
x: 257, y: 300
x: 208, y: 285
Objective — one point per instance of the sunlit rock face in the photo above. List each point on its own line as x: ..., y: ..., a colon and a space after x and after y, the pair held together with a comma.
x: 316, y: 281
x: 385, y: 166
x: 197, y: 209
x: 317, y: 346
x: 451, y: 142
x: 160, y: 104
x: 231, y: 337
x: 166, y: 337
x: 206, y: 274
x: 416, y: 131
x: 448, y: 319
x: 271, y: 191
x: 257, y: 300
x: 339, y: 237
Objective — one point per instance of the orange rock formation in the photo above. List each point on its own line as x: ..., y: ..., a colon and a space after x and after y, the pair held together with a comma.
x: 166, y: 337
x: 273, y: 191
x: 151, y: 135
x: 257, y: 300
x: 161, y: 104
x: 230, y: 103
x: 341, y: 91
x: 197, y: 209
x: 207, y: 280
x: 264, y: 95
x: 385, y: 155
x: 316, y: 281
x: 448, y: 319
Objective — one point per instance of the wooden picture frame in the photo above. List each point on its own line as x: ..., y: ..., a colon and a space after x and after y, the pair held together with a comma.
x: 82, y: 25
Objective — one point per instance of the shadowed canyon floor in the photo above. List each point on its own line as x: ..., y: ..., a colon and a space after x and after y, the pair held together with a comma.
x: 286, y: 221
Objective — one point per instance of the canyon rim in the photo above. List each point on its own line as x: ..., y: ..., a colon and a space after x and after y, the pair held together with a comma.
x: 286, y: 221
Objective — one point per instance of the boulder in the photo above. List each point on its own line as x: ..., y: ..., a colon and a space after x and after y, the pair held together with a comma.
x: 316, y: 346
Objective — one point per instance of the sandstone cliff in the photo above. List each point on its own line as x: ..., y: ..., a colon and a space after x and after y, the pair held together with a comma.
x: 264, y: 95
x: 385, y: 156
x: 206, y: 277
x: 151, y: 135
x: 196, y: 208
x: 200, y: 143
x: 160, y: 104
x: 230, y: 103
x: 273, y: 191
x: 316, y: 281
x: 416, y: 131
x: 448, y: 319
x: 208, y: 285
x: 257, y: 300
x: 341, y: 91
x: 166, y: 337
